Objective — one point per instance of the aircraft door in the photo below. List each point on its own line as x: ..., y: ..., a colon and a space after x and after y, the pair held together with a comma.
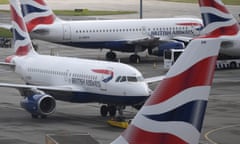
x: 66, y: 32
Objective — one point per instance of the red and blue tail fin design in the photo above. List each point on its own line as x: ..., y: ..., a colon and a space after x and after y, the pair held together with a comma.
x: 36, y: 12
x: 217, y: 19
x: 174, y: 113
x: 22, y: 41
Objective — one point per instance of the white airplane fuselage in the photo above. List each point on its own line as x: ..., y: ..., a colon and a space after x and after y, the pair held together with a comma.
x: 94, y: 81
x: 116, y: 34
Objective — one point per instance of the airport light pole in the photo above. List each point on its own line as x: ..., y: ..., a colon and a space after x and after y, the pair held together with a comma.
x: 141, y: 15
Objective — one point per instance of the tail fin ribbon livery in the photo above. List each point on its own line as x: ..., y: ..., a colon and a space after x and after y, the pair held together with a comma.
x: 174, y: 113
x: 22, y: 41
x: 36, y: 12
x: 217, y: 19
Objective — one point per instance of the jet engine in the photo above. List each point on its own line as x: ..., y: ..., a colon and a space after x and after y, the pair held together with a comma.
x: 39, y: 104
x: 158, y: 51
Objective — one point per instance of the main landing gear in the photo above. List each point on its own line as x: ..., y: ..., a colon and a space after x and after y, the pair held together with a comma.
x: 111, y: 110
x: 134, y: 58
x: 111, y: 56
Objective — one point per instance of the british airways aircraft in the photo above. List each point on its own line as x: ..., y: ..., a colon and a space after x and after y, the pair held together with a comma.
x: 129, y: 35
x: 51, y: 78
x: 174, y: 113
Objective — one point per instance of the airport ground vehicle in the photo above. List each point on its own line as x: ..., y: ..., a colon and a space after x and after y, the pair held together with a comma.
x: 223, y: 61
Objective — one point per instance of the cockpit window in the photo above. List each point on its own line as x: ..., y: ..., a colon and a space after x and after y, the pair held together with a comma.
x: 123, y: 79
x: 118, y: 78
x: 140, y: 79
x: 132, y: 79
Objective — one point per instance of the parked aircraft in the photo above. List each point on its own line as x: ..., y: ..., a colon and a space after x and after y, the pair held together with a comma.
x: 128, y: 35
x: 174, y: 113
x: 70, y: 79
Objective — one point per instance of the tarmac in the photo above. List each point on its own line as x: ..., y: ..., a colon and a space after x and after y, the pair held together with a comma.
x: 222, y: 120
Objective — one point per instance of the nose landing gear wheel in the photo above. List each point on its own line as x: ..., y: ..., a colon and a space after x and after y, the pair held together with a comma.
x: 111, y: 109
x: 104, y: 111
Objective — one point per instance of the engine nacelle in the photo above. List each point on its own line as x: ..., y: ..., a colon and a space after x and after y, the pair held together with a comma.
x: 158, y: 51
x: 39, y: 104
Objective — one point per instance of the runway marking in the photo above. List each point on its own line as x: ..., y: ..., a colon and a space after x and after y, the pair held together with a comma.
x: 215, y: 130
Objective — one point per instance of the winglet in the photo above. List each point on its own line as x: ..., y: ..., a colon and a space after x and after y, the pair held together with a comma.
x: 174, y: 113
x: 36, y: 12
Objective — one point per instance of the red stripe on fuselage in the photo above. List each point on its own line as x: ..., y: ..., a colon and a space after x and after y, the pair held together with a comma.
x: 200, y: 74
x: 189, y: 24
x: 102, y: 71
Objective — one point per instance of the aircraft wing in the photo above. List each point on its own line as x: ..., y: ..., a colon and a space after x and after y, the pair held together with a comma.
x: 154, y: 79
x: 186, y: 40
x: 6, y: 26
x: 145, y: 42
x: 7, y: 66
x: 43, y: 88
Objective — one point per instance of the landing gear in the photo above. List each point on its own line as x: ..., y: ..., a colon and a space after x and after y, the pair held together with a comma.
x: 111, y: 56
x: 134, y: 58
x: 108, y: 109
x: 36, y: 116
x: 104, y: 111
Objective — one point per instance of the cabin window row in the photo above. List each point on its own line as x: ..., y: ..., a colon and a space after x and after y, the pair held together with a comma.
x: 36, y: 70
x: 132, y: 30
x: 52, y: 72
x: 84, y: 76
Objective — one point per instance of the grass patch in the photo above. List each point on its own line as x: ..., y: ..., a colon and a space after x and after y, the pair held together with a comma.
x: 5, y: 33
x: 4, y: 2
x: 86, y: 12
x: 227, y: 2
x: 4, y: 11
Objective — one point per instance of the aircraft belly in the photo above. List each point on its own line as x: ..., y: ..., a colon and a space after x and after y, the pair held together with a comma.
x: 84, y: 97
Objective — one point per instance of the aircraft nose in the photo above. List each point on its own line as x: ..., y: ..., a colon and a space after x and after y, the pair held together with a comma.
x: 147, y: 90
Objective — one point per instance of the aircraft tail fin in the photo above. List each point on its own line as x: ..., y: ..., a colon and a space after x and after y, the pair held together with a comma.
x: 22, y: 41
x: 174, y: 113
x: 36, y: 12
x: 215, y: 15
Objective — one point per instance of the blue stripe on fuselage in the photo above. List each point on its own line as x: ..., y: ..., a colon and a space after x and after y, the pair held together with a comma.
x: 86, y: 97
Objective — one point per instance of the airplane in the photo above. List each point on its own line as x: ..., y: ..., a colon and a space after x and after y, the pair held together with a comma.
x: 174, y: 113
x: 51, y: 78
x: 127, y: 35
x: 208, y: 19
